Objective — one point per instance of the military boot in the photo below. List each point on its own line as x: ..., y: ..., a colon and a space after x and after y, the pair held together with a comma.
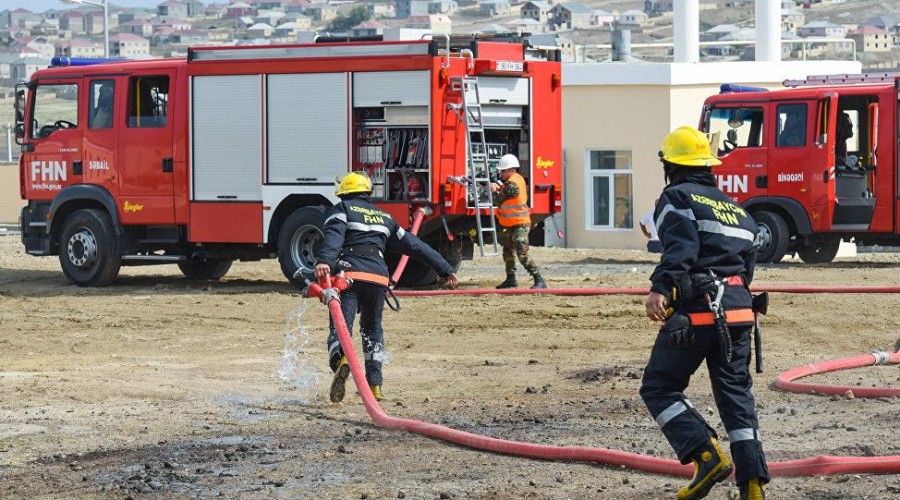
x: 340, y: 378
x: 509, y: 283
x: 753, y: 489
x: 711, y: 465
x: 376, y: 392
x: 538, y: 282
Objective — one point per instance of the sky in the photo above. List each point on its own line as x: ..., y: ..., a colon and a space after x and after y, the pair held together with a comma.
x: 42, y: 5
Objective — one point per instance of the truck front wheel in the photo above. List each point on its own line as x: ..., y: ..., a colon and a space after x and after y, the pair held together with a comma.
x: 820, y: 252
x: 299, y: 240
x: 89, y: 249
x: 773, y: 236
x: 205, y: 269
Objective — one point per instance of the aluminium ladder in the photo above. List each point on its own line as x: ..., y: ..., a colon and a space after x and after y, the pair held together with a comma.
x: 477, y: 170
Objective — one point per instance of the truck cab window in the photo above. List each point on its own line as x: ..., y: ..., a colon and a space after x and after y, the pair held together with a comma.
x: 148, y: 97
x: 55, y: 107
x: 736, y: 128
x: 101, y: 103
x: 791, y: 131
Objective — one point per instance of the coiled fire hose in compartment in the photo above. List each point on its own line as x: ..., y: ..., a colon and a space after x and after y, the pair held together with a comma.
x: 816, y: 466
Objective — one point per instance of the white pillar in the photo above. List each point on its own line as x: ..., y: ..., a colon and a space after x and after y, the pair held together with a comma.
x: 687, y: 30
x: 768, y: 30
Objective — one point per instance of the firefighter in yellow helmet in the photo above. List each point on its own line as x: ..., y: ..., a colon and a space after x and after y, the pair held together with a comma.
x: 511, y: 196
x: 700, y: 290
x: 357, y: 232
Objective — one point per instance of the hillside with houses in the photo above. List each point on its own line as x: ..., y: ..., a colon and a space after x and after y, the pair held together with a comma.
x: 865, y: 30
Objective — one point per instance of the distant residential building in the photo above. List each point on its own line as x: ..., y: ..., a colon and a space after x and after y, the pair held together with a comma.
x: 80, y: 48
x: 521, y: 26
x: 657, y: 7
x: 791, y: 20
x: 323, y: 12
x: 269, y: 4
x: 175, y: 24
x: 491, y: 8
x: 434, y: 23
x: 871, y: 39
x: 73, y: 21
x: 16, y: 17
x: 240, y: 9
x: 189, y: 37
x: 572, y: 16
x: 448, y: 7
x: 244, y: 22
x: 633, y: 18
x: 172, y: 8
x: 6, y: 61
x: 128, y: 45
x: 47, y: 28
x: 270, y: 17
x: 368, y: 28
x: 717, y: 32
x: 128, y: 15
x: 410, y: 8
x: 890, y: 24
x: 822, y: 29
x: 537, y: 10
x: 289, y: 30
x: 93, y: 22
x: 260, y: 30
x: 22, y: 69
x: 33, y: 46
x: 297, y: 6
x: 603, y: 18
x: 140, y: 27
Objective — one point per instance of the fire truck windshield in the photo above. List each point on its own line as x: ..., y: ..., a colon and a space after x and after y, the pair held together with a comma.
x: 55, y: 106
x: 736, y: 127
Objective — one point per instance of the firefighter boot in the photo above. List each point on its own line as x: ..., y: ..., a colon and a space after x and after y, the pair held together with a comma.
x: 711, y: 465
x: 752, y: 490
x: 376, y: 392
x: 340, y: 378
x: 538, y: 282
x: 509, y: 283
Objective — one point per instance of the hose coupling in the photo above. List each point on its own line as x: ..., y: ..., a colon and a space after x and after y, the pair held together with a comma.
x: 881, y: 357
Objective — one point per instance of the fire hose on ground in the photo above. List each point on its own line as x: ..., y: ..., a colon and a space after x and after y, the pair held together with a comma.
x: 822, y: 465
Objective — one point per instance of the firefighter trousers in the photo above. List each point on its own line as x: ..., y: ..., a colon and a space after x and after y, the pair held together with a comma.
x: 368, y: 299
x: 668, y: 374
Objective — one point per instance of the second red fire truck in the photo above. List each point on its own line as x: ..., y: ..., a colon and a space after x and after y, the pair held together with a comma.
x: 815, y: 163
x: 232, y: 153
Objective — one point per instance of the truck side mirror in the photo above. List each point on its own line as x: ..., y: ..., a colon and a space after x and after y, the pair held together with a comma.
x: 20, y: 131
x: 20, y: 106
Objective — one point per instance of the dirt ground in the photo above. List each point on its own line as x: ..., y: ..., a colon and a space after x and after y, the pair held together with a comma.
x: 163, y: 387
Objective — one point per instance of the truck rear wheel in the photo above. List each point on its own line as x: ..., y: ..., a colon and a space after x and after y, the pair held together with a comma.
x: 820, y: 252
x: 205, y: 269
x: 299, y: 240
x: 89, y: 249
x: 773, y: 235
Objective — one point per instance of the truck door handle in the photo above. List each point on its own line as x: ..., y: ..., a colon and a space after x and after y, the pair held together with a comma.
x: 167, y: 165
x: 77, y: 167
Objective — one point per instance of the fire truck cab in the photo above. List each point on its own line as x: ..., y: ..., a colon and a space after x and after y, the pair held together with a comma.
x: 232, y: 153
x: 815, y: 163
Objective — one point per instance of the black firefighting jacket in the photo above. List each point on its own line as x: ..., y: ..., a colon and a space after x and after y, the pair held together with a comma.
x: 358, y: 232
x: 702, y: 230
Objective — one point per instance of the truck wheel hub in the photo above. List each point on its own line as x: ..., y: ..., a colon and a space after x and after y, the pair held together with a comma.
x: 303, y: 245
x: 765, y: 236
x: 82, y: 249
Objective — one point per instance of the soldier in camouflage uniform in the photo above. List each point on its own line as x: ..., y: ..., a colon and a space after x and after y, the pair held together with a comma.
x: 511, y: 196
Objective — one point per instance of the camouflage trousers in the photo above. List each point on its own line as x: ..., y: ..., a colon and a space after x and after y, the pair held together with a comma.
x: 514, y: 240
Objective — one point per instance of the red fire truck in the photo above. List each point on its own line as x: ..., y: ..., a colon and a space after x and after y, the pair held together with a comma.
x: 232, y: 153
x: 814, y: 164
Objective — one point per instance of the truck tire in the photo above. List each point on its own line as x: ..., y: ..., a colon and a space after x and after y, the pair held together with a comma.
x: 299, y: 240
x: 773, y: 235
x: 89, y: 249
x: 205, y: 269
x: 821, y: 252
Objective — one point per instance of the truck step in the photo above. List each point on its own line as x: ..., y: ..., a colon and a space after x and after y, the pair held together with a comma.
x: 154, y: 258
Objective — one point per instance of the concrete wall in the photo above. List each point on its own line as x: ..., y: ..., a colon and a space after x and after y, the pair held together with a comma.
x: 10, y: 204
x: 632, y: 106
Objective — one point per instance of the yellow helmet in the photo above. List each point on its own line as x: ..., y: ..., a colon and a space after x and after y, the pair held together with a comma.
x: 688, y: 147
x: 354, y: 182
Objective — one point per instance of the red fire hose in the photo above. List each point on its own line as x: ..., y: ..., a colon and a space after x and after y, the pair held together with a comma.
x: 640, y: 291
x: 417, y: 221
x: 785, y: 381
x: 822, y: 465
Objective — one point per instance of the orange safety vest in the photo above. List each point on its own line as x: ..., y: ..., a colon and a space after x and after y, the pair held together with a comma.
x: 514, y: 211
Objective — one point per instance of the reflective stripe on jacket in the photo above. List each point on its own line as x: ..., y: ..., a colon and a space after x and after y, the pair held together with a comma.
x: 514, y: 211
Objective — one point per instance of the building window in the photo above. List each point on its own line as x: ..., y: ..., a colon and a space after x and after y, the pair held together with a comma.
x: 609, y: 194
